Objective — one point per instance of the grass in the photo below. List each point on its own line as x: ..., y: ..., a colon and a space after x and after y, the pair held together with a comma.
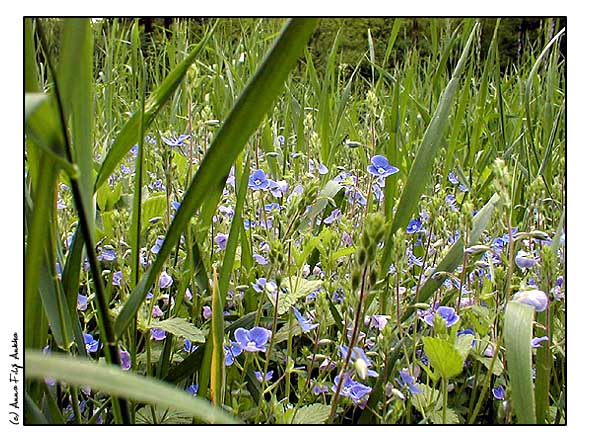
x: 182, y: 191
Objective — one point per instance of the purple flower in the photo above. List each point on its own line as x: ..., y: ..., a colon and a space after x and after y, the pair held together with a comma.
x: 117, y: 276
x: 174, y: 141
x: 90, y: 343
x: 305, y: 324
x: 278, y: 189
x: 334, y: 215
x: 260, y: 259
x: 453, y: 178
x: 125, y: 359
x: 107, y: 253
x: 193, y: 389
x: 125, y: 169
x: 134, y: 150
x: 158, y: 334
x: 159, y: 242
x: 175, y: 205
x: 258, y: 181
x: 165, y: 280
x: 157, y: 312
x: 82, y: 302
x: 231, y: 352
x: 414, y: 226
x: 358, y: 354
x: 267, y: 377
x: 253, y: 340
x: 259, y: 284
x: 447, y: 313
x: 535, y: 298
x: 536, y: 341
x: 498, y: 392
x: 378, y: 321
x: 524, y: 260
x: 188, y: 346
x: 354, y: 390
x: 207, y: 312
x: 221, y: 241
x: 452, y: 202
x: 380, y: 167
x: 408, y: 380
x: 317, y: 389
x: 157, y: 185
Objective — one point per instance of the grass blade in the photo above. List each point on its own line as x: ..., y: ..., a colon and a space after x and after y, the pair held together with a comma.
x: 114, y: 381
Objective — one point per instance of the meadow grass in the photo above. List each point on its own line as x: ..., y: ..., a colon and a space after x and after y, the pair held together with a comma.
x: 221, y: 227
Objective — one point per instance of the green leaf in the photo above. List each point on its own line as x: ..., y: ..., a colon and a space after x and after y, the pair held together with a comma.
x: 428, y: 399
x: 208, y: 182
x: 114, y: 381
x: 313, y: 414
x: 180, y: 327
x: 463, y: 345
x: 152, y: 207
x: 326, y: 195
x: 420, y: 172
x: 518, y: 333
x: 443, y: 356
x: 297, y: 288
x: 163, y: 416
x: 497, y: 369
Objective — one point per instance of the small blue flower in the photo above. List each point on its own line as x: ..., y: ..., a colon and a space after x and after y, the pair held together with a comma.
x: 165, y: 280
x: 380, y: 167
x: 414, y: 226
x: 253, y: 340
x: 157, y: 245
x: 188, y: 346
x: 107, y: 253
x: 193, y: 389
x: 158, y: 334
x: 453, y: 178
x: 447, y: 313
x: 267, y: 377
x: 231, y: 352
x: 82, y: 304
x: 221, y: 241
x: 354, y: 390
x: 535, y: 298
x: 117, y: 276
x: 175, y: 141
x: 260, y: 259
x: 498, y: 392
x: 259, y: 284
x: 524, y: 260
x: 125, y: 359
x: 536, y: 341
x: 408, y: 380
x: 334, y: 215
x: 90, y: 343
x: 305, y: 324
x: 452, y: 202
x: 258, y: 181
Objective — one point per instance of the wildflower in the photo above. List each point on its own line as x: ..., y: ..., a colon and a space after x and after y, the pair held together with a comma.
x: 408, y: 380
x: 175, y: 205
x: 414, y: 226
x: 524, y: 260
x: 157, y: 185
x: 175, y: 141
x: 107, y: 253
x: 267, y: 377
x: 165, y: 280
x: 157, y: 312
x: 134, y: 150
x: 207, y: 312
x: 158, y: 334
x: 281, y: 140
x: 354, y: 390
x: 317, y: 389
x: 125, y: 169
x: 259, y: 284
x: 498, y: 392
x: 258, y: 180
x: 260, y: 259
x: 82, y: 302
x: 231, y: 352
x: 536, y: 341
x: 125, y: 359
x: 378, y: 321
x: 90, y: 343
x: 117, y: 276
x: 334, y: 215
x: 60, y: 204
x: 452, y: 202
x: 305, y: 324
x: 453, y: 178
x: 535, y: 298
x: 188, y: 346
x: 193, y: 389
x: 380, y: 167
x: 446, y: 313
x: 221, y: 241
x: 360, y: 360
x: 253, y: 340
x: 278, y: 188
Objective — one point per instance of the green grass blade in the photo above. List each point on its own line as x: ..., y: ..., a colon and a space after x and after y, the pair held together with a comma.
x: 244, y: 118
x: 518, y: 333
x: 128, y: 135
x: 114, y: 381
x: 420, y: 172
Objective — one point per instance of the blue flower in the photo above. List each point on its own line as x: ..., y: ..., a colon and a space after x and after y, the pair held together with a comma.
x: 174, y: 141
x: 107, y: 253
x: 305, y: 324
x: 158, y: 334
x: 189, y: 347
x: 334, y: 215
x: 447, y: 313
x: 90, y: 343
x: 452, y: 202
x: 253, y: 340
x: 380, y: 167
x: 498, y: 392
x: 117, y: 276
x: 258, y: 181
x: 125, y: 359
x: 231, y: 352
x: 165, y: 280
x: 193, y: 389
x: 535, y: 298
x: 358, y: 354
x: 524, y: 260
x: 267, y: 377
x: 82, y: 302
x: 159, y: 242
x: 536, y: 341
x: 259, y: 284
x: 414, y: 226
x: 221, y: 241
x: 354, y: 390
x: 260, y: 259
x: 453, y: 178
x: 408, y: 380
